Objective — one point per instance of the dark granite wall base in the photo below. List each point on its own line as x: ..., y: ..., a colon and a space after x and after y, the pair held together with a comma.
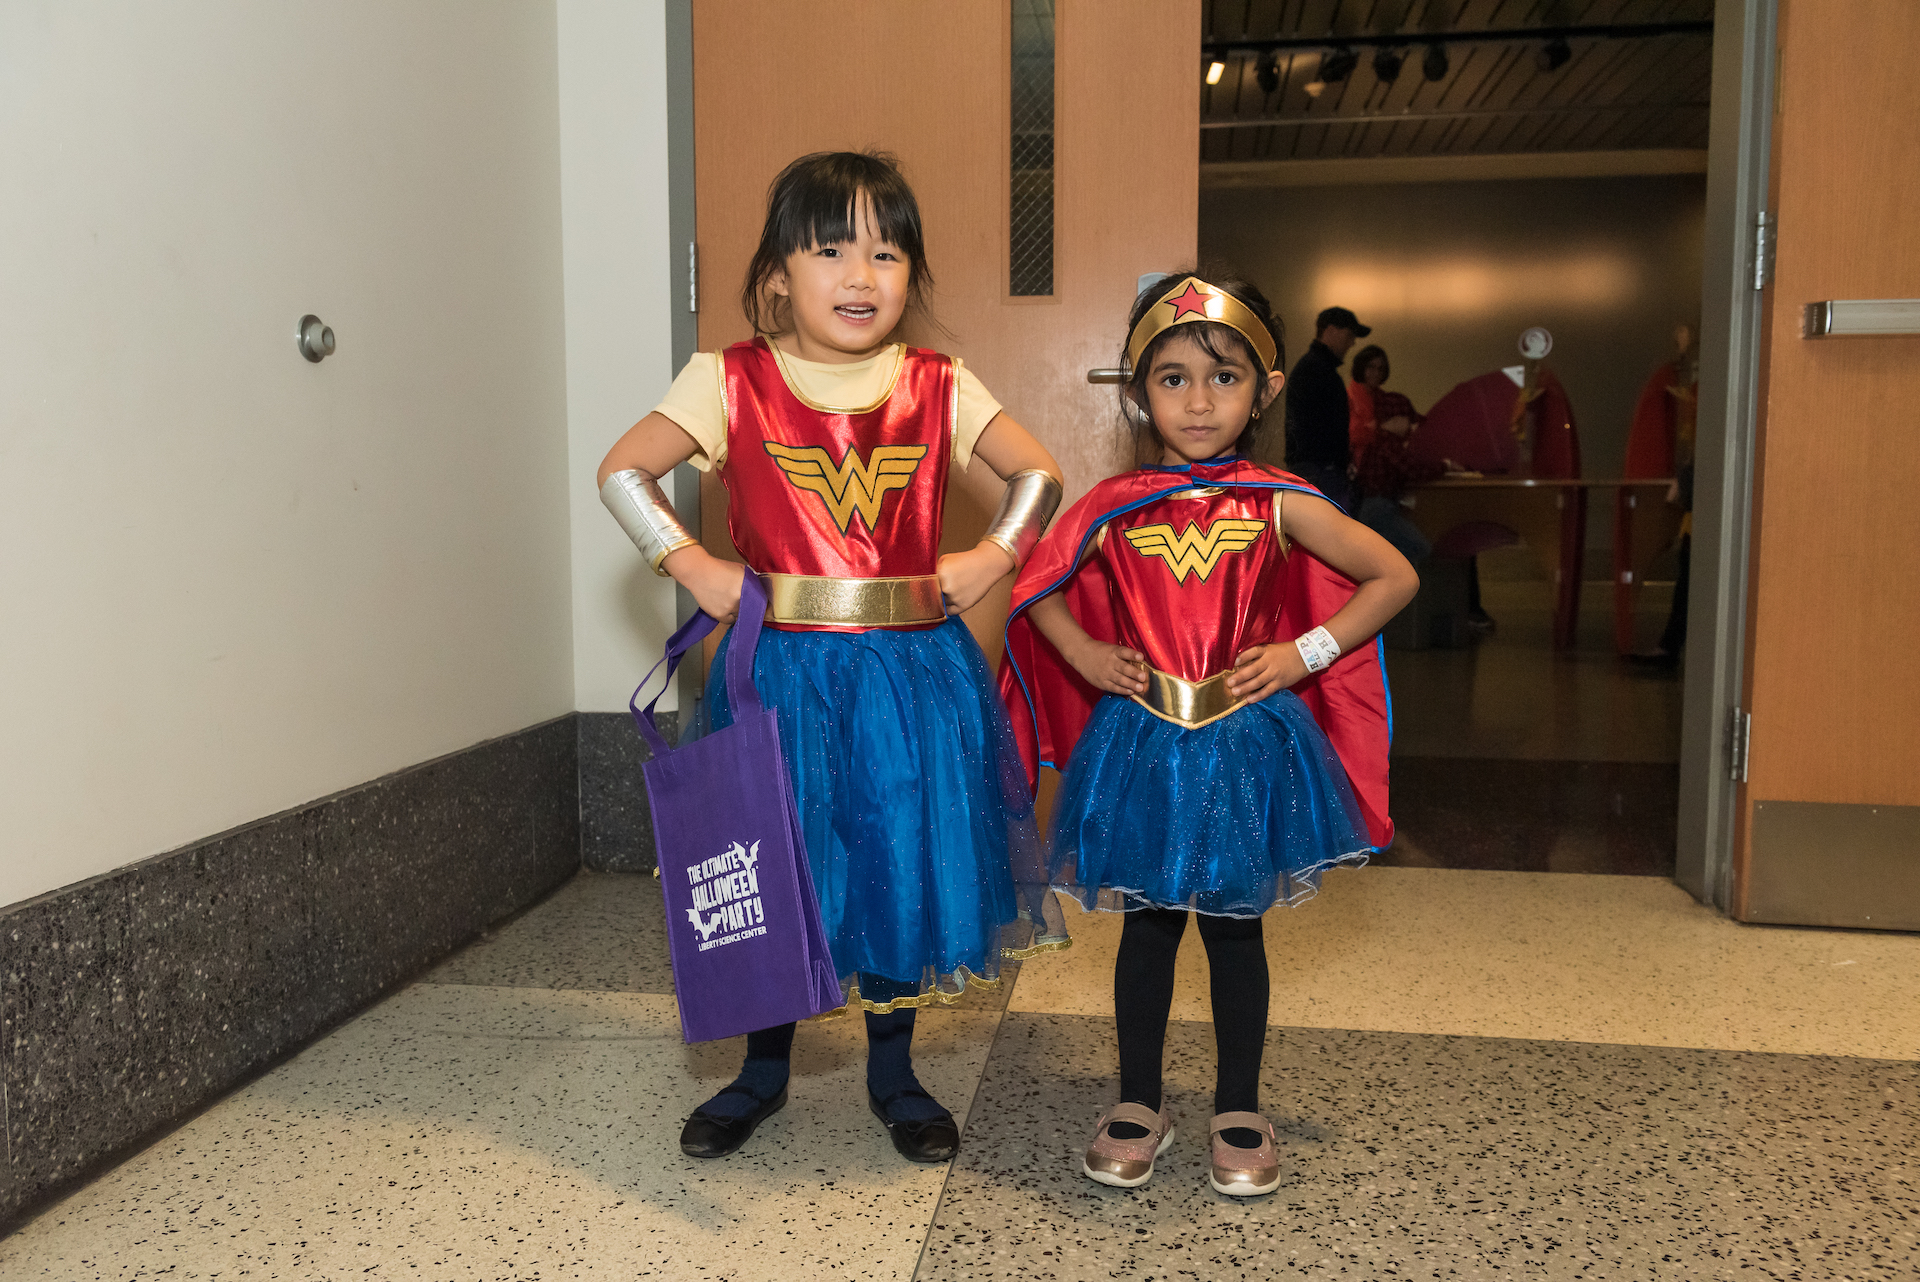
x: 129, y: 1001
x: 616, y: 826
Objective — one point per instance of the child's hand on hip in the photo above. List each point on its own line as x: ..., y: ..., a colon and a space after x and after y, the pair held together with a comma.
x: 1112, y: 668
x: 715, y: 584
x: 1264, y: 669
x: 966, y: 576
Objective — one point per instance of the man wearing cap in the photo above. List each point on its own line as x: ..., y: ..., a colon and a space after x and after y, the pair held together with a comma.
x: 1317, y: 445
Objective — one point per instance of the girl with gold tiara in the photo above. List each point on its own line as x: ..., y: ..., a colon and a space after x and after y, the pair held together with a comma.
x: 834, y: 445
x: 1194, y: 645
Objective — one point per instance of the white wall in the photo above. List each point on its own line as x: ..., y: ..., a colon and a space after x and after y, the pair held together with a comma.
x: 233, y: 581
x: 623, y: 279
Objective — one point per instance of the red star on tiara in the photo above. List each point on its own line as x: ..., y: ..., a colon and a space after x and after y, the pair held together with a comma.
x: 1191, y: 303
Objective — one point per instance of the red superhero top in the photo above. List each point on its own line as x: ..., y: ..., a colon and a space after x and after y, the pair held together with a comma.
x: 848, y: 493
x: 1190, y: 578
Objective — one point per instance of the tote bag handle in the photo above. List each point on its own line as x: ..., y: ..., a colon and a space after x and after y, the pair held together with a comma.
x: 741, y: 694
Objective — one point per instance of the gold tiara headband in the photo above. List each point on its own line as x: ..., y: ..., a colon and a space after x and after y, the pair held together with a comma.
x: 1193, y: 301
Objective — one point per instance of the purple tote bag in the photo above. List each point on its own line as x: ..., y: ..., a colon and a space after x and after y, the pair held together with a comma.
x: 743, y: 921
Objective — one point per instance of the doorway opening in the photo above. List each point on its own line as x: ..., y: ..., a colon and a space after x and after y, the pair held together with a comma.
x: 1459, y: 176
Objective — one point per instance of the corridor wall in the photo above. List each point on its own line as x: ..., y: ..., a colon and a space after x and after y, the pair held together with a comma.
x: 290, y: 646
x: 217, y: 556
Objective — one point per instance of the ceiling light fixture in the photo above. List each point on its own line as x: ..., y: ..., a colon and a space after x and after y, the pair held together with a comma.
x: 1553, y: 55
x: 1435, y: 65
x: 1387, y: 64
x: 1215, y: 71
x: 1267, y: 72
x: 1337, y: 64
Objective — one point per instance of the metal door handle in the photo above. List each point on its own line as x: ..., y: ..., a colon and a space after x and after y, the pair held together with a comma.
x: 1106, y: 376
x: 1842, y: 317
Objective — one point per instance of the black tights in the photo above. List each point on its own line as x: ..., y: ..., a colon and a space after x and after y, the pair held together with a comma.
x: 1143, y: 994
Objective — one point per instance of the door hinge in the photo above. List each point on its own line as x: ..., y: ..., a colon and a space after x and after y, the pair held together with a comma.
x: 693, y: 276
x: 1739, y: 729
x: 1764, y: 234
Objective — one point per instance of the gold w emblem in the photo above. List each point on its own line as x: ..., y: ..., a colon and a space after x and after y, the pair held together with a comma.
x: 853, y: 484
x: 1191, y: 551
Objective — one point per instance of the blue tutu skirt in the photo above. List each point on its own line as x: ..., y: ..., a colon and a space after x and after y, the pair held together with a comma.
x: 1229, y: 819
x: 913, y: 803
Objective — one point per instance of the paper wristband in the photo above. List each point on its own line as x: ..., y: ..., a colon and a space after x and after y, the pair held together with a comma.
x: 1317, y: 649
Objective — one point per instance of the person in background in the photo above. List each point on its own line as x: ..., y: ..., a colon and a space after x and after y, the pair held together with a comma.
x: 1665, y: 657
x: 1318, y: 448
x: 1380, y: 427
x: 1661, y: 440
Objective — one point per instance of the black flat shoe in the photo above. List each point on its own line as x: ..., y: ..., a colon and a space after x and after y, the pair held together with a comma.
x: 933, y: 1139
x: 707, y: 1135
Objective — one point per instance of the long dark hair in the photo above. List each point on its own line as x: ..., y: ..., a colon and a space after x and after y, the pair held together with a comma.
x: 1366, y: 356
x: 815, y: 201
x: 1215, y: 339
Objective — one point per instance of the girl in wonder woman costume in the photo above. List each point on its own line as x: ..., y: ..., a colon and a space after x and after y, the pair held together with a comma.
x: 1214, y: 765
x: 834, y: 445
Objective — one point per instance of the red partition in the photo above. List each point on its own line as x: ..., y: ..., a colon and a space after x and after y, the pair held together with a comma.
x: 1481, y: 423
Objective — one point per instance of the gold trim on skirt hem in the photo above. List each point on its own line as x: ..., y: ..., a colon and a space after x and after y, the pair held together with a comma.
x: 1191, y: 704
x: 940, y: 996
x: 1044, y: 946
x: 861, y: 603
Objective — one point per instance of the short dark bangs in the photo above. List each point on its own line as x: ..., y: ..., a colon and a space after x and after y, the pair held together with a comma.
x: 815, y: 201
x: 1221, y: 342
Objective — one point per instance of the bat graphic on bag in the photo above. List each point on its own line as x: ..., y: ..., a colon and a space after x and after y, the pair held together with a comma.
x: 711, y: 924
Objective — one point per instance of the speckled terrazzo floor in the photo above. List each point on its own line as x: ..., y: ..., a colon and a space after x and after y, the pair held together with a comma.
x: 599, y: 932
x: 1564, y: 957
x: 1480, y: 1075
x: 464, y: 1132
x: 1447, y: 1157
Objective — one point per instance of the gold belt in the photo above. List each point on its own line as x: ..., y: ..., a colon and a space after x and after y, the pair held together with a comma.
x: 1188, y: 703
x: 854, y: 603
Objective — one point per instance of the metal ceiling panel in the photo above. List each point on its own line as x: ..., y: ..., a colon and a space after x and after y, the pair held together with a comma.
x: 1616, y: 91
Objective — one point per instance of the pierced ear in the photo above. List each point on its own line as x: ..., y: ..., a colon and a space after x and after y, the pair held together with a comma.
x: 1271, y: 392
x: 1135, y: 412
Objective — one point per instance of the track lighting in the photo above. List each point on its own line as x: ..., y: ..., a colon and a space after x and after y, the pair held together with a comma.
x: 1267, y: 72
x: 1435, y: 66
x: 1337, y: 64
x: 1215, y: 71
x: 1387, y: 64
x: 1553, y: 55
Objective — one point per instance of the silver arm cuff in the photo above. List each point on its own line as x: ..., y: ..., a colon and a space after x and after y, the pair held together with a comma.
x: 1025, y: 509
x: 637, y: 502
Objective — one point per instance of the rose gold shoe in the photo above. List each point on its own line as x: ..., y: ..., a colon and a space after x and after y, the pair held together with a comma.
x: 1244, y: 1172
x: 1127, y: 1164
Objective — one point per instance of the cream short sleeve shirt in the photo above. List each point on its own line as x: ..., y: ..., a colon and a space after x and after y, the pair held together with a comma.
x: 693, y: 401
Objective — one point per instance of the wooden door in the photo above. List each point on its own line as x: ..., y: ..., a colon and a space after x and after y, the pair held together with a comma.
x: 931, y: 84
x: 1832, y: 800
